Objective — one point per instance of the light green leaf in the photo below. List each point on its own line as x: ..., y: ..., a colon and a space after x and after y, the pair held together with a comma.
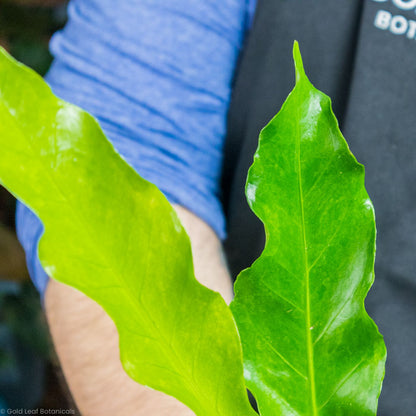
x: 309, y: 346
x: 113, y: 236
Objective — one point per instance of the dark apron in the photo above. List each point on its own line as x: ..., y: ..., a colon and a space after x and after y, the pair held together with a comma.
x: 363, y: 55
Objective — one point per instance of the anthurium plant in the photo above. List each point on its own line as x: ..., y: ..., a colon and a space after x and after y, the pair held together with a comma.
x: 296, y: 335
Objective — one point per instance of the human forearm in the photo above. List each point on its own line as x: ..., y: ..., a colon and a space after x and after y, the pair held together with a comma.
x: 87, y: 343
x: 209, y: 261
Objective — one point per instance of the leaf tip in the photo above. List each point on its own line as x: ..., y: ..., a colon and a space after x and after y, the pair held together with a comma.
x: 297, y: 57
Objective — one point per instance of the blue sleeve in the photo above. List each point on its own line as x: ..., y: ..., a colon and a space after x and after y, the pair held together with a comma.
x: 157, y: 75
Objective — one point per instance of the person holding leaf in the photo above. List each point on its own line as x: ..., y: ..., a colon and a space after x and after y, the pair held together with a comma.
x: 182, y: 90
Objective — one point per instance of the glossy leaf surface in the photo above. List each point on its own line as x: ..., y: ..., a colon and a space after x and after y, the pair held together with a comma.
x: 114, y: 236
x: 309, y: 346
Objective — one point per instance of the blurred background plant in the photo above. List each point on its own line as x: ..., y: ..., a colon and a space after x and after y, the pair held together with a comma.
x: 29, y: 377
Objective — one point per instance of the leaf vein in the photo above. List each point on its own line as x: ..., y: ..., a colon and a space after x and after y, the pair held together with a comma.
x: 309, y: 345
x: 320, y: 176
x: 340, y: 224
x: 341, y: 383
x: 275, y: 292
x: 286, y: 361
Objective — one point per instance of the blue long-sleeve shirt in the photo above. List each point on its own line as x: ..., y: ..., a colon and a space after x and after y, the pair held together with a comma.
x: 157, y: 75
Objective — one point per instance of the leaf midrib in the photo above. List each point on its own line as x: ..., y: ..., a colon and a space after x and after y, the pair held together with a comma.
x: 309, y: 343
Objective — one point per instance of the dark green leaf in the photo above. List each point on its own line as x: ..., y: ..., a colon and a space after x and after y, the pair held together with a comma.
x: 114, y: 236
x: 309, y: 346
